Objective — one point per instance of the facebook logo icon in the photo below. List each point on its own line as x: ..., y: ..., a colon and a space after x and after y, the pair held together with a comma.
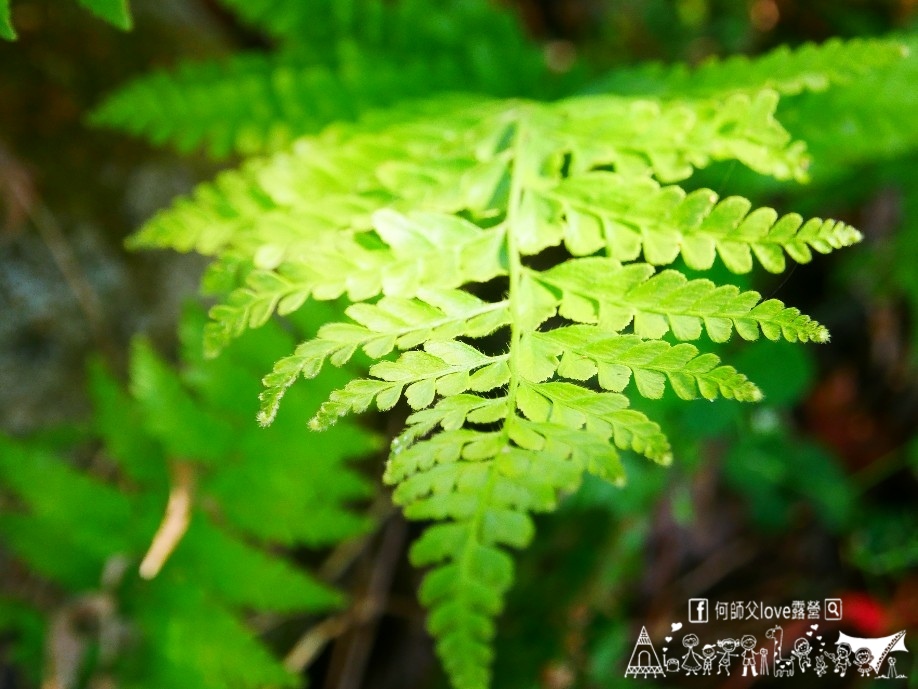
x: 698, y: 610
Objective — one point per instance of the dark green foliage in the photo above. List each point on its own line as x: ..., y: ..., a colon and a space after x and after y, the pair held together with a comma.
x: 253, y: 492
x: 339, y: 59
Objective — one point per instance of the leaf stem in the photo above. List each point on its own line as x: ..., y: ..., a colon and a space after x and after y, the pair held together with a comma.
x: 515, y: 266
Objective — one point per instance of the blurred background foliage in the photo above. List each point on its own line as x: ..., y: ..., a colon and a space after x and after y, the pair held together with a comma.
x: 809, y: 495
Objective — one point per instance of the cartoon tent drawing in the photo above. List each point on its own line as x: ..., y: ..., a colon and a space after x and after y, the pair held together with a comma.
x: 644, y: 660
x: 879, y: 647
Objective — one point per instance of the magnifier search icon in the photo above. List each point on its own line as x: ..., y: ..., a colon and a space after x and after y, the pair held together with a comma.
x: 833, y: 608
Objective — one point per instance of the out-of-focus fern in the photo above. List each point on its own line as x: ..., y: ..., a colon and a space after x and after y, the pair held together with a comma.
x: 252, y: 492
x: 557, y: 203
x: 872, y: 117
x: 337, y: 60
x: 115, y: 12
x: 811, y: 67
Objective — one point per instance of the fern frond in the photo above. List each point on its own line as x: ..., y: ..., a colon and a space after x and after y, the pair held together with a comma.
x: 867, y: 120
x: 257, y: 103
x: 601, y: 290
x: 626, y: 215
x: 810, y: 67
x: 495, y: 437
x: 484, y: 485
x: 361, y: 176
x: 340, y: 60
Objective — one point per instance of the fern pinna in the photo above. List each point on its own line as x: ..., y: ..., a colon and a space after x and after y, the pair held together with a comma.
x: 420, y: 216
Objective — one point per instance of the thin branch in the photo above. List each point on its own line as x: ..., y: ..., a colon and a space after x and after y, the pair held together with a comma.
x: 175, y: 521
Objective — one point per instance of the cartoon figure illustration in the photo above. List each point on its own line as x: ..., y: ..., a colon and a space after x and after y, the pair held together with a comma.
x: 880, y: 647
x: 690, y: 660
x: 784, y: 667
x: 891, y: 670
x: 841, y: 659
x: 749, y: 654
x: 707, y: 654
x: 820, y: 666
x: 728, y: 648
x: 763, y: 664
x: 802, y: 653
x: 776, y: 634
x: 862, y: 659
x: 672, y: 665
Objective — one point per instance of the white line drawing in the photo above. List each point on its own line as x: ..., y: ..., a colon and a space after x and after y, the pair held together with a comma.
x: 644, y: 660
x: 690, y: 660
x: 863, y: 658
x: 784, y: 667
x: 728, y: 648
x: 841, y: 658
x: 891, y: 671
x: 821, y: 667
x: 776, y: 634
x: 749, y: 654
x: 801, y: 652
x: 880, y: 647
x: 866, y: 655
x: 707, y: 654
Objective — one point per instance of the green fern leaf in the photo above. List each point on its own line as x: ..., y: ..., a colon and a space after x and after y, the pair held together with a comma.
x: 55, y: 492
x: 604, y: 414
x: 257, y: 104
x: 811, y: 67
x: 493, y: 438
x: 601, y: 290
x: 69, y: 527
x: 580, y: 352
x: 170, y: 413
x: 339, y: 60
x: 241, y: 575
x: 864, y: 121
x: 243, y: 212
x: 425, y: 251
x: 625, y: 216
x: 671, y: 139
x: 191, y: 620
x: 445, y: 368
x: 378, y: 329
